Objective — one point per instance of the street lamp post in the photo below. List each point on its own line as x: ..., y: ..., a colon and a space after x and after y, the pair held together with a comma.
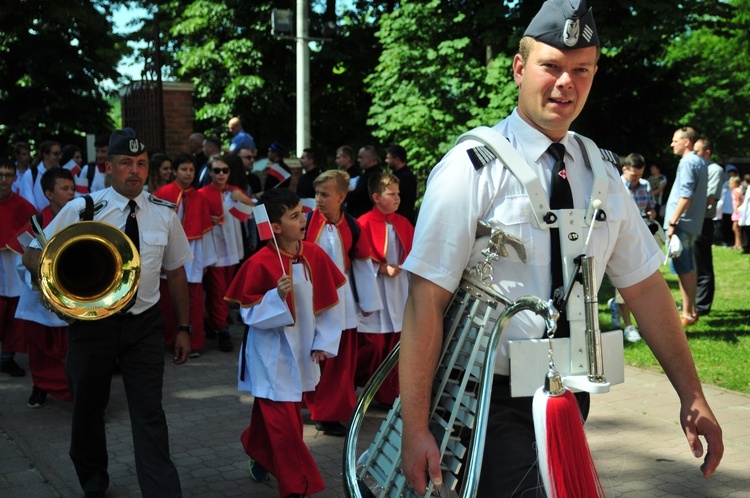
x: 303, y: 79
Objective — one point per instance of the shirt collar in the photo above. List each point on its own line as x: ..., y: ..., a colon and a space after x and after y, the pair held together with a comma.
x: 121, y: 202
x: 535, y: 143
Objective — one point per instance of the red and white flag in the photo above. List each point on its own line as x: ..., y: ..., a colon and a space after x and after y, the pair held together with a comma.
x: 276, y: 171
x: 308, y: 204
x: 241, y: 211
x: 82, y: 184
x: 73, y: 167
x: 264, y: 225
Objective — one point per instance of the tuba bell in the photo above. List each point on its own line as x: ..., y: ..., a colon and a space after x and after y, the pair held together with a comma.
x: 88, y: 271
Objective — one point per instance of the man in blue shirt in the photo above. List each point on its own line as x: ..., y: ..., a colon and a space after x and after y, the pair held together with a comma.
x: 241, y: 137
x: 684, y: 215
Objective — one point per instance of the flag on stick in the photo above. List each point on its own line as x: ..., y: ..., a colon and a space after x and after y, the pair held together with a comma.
x: 241, y: 211
x: 265, y: 231
x: 276, y: 171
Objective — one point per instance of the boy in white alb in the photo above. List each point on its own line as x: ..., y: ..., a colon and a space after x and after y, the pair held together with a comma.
x: 391, y: 237
x: 341, y: 238
x: 288, y: 293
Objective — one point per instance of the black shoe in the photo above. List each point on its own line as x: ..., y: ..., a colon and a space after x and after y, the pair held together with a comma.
x: 225, y: 342
x: 331, y: 428
x: 11, y: 368
x: 38, y: 398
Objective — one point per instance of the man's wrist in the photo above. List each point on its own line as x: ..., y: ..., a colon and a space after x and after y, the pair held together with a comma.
x: 185, y: 328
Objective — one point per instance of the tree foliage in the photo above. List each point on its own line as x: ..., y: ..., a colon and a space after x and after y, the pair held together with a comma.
x: 54, y: 58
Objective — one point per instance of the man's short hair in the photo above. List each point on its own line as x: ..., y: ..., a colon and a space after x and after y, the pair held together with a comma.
x: 378, y: 183
x: 338, y: 177
x: 371, y: 151
x: 310, y: 153
x: 398, y: 152
x: 278, y: 201
x: 19, y: 146
x: 634, y: 161
x: 213, y: 139
x: 346, y: 151
x: 49, y: 178
x: 689, y: 133
x: 526, y: 45
x: 706, y: 142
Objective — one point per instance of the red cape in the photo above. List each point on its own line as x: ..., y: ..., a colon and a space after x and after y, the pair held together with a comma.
x: 213, y: 197
x: 318, y: 223
x: 16, y: 212
x: 196, y: 220
x: 261, y: 272
x: 374, y: 223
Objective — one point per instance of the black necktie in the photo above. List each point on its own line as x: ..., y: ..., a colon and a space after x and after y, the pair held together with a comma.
x: 131, y: 226
x: 560, y: 197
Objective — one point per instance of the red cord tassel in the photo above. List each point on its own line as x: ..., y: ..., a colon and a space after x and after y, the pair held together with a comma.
x: 565, y: 460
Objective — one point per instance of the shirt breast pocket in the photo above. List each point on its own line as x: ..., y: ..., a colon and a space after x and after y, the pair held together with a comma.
x: 514, y: 216
x: 152, y: 248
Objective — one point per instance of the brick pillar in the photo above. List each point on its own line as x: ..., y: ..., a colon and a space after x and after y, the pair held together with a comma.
x: 178, y: 115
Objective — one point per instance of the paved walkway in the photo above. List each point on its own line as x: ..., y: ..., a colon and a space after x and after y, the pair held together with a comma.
x: 633, y: 431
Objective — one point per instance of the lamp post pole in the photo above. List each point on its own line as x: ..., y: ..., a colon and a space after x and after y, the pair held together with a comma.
x: 303, y: 78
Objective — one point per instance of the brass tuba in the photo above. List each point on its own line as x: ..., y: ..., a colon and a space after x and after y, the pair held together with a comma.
x: 88, y: 271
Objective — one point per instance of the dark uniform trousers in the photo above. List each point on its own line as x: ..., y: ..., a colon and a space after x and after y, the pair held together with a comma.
x: 509, y: 464
x: 94, y: 348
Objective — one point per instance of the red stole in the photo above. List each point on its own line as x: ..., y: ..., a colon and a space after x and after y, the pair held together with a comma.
x: 215, y: 199
x: 318, y: 223
x: 16, y: 212
x: 196, y: 219
x: 262, y: 271
x: 374, y: 223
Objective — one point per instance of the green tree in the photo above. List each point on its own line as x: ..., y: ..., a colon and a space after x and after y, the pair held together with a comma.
x: 54, y: 58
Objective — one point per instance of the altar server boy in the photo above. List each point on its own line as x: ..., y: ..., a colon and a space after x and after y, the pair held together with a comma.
x: 288, y: 297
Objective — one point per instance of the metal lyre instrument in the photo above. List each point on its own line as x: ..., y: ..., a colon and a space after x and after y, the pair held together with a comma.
x: 460, y: 391
x: 88, y: 271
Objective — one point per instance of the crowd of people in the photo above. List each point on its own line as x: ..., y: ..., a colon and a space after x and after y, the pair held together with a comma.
x: 332, y: 267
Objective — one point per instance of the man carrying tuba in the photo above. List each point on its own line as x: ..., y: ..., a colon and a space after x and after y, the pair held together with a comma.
x: 135, y: 337
x: 554, y: 72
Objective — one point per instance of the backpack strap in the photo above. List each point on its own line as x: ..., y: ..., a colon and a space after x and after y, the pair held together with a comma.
x: 90, y: 174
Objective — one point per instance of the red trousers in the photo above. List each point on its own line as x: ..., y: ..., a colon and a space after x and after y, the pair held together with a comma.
x: 334, y: 397
x: 198, y: 338
x: 274, y: 440
x: 11, y: 330
x: 216, y: 282
x: 372, y: 350
x: 48, y: 347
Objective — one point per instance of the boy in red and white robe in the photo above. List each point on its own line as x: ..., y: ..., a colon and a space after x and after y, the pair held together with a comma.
x: 391, y: 237
x: 46, y: 333
x: 331, y: 228
x: 15, y: 211
x: 222, y: 200
x: 196, y: 221
x: 289, y: 303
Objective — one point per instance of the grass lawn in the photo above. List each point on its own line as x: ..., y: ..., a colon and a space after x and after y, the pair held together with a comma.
x: 721, y: 341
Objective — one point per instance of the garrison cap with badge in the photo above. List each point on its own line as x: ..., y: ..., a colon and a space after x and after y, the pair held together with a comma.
x: 564, y: 24
x: 126, y: 142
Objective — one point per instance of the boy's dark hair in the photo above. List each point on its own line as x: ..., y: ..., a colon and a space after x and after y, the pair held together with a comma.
x: 278, y: 201
x: 10, y: 164
x: 101, y: 141
x: 182, y: 158
x: 19, y: 146
x: 49, y: 178
x: 378, y: 183
x: 634, y: 161
x: 213, y: 139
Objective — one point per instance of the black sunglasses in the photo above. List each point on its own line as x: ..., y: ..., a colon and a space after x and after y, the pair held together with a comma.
x: 221, y: 170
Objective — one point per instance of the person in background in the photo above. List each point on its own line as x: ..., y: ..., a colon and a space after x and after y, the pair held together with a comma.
x: 347, y: 161
x: 14, y: 214
x: 71, y: 159
x: 658, y: 182
x: 22, y: 151
x: 196, y: 221
x: 46, y: 333
x: 240, y: 138
x: 358, y: 201
x: 159, y: 172
x: 737, y: 200
x: 31, y: 187
x: 93, y: 176
x: 308, y: 160
x: 395, y: 158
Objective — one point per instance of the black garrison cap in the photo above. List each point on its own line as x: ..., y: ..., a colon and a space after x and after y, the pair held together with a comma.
x: 564, y: 24
x: 125, y: 142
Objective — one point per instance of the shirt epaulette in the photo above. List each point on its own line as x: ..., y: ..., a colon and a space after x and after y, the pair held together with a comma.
x: 480, y: 156
x: 610, y: 156
x: 97, y: 207
x: 162, y: 202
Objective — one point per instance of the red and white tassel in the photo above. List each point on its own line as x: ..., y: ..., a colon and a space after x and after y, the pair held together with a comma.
x: 565, y: 461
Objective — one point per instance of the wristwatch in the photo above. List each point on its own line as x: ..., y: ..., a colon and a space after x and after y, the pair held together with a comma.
x: 185, y: 328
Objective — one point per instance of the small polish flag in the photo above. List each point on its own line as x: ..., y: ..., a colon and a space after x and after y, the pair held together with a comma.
x: 308, y: 204
x: 276, y: 171
x: 264, y: 225
x: 73, y: 167
x: 82, y: 185
x: 241, y: 211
